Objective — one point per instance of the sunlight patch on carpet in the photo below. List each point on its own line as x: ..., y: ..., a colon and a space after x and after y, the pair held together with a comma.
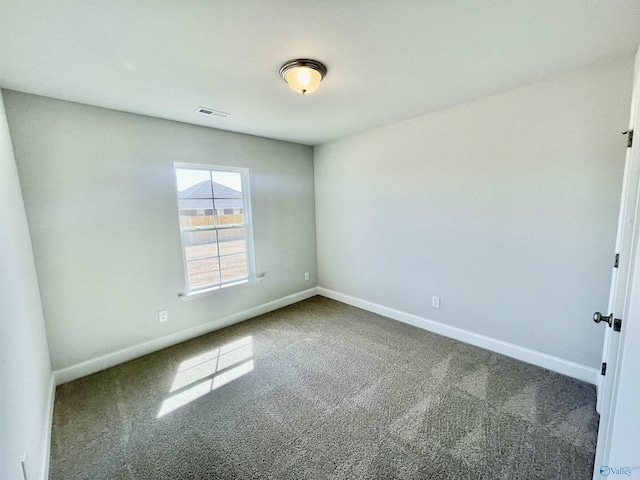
x: 205, y: 373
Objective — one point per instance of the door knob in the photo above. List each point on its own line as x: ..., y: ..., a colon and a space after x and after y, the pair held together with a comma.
x: 598, y: 317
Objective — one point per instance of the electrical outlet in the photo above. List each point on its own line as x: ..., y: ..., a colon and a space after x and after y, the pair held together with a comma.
x: 163, y: 315
x: 435, y: 302
x: 306, y: 275
x: 25, y: 467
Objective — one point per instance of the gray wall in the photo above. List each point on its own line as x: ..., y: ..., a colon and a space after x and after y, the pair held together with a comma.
x: 25, y: 371
x: 506, y: 208
x: 100, y: 197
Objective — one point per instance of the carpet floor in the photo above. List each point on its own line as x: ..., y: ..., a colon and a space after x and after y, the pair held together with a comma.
x: 322, y: 390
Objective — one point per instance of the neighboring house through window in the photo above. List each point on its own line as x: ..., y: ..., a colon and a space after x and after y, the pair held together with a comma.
x: 215, y: 225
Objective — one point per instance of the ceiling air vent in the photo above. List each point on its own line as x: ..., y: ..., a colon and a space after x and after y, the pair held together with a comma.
x: 212, y: 113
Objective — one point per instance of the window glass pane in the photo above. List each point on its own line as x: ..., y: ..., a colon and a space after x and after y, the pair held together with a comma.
x: 193, y: 183
x: 200, y: 244
x: 203, y: 272
x: 229, y: 211
x: 232, y: 240
x: 227, y: 185
x: 195, y: 213
x: 233, y: 266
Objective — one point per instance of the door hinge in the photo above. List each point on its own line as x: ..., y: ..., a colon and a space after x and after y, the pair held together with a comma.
x: 629, y: 134
x: 617, y: 261
x: 603, y: 370
x: 617, y: 324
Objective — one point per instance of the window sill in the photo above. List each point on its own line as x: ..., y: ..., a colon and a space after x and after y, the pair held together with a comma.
x: 185, y: 297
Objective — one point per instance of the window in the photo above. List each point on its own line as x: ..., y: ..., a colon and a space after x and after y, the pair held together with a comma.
x: 217, y: 242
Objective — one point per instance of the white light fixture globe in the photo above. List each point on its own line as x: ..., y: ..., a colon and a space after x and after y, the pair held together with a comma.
x: 303, y: 75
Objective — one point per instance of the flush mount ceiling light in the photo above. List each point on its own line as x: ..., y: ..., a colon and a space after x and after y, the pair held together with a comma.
x: 303, y: 75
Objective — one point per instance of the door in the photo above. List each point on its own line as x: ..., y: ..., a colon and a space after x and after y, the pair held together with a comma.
x: 618, y: 447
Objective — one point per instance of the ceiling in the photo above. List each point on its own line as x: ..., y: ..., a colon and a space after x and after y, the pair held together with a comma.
x: 387, y: 60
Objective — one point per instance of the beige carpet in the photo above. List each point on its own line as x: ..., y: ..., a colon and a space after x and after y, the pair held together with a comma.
x: 322, y: 390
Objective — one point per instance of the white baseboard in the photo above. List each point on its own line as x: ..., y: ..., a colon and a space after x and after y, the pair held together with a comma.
x: 556, y: 364
x: 46, y: 441
x: 124, y: 355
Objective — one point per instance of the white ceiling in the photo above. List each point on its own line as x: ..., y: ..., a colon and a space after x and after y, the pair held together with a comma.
x: 387, y: 60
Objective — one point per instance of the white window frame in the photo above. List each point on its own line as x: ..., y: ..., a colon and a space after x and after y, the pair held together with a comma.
x: 247, y: 225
